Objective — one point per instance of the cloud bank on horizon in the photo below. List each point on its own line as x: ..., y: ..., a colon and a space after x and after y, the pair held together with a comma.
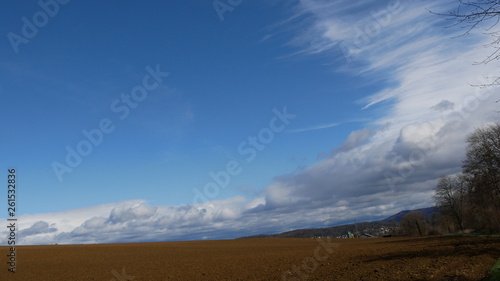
x: 392, y: 164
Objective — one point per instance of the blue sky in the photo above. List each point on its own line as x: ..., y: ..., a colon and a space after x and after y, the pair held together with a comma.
x: 379, y: 92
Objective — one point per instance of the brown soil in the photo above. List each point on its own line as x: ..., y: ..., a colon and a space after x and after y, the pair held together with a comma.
x: 432, y: 258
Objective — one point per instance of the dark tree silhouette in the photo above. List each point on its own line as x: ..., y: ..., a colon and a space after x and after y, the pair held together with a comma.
x: 482, y: 166
x: 414, y: 224
x: 451, y: 198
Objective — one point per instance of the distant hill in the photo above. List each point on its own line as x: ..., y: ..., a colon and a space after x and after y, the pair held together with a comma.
x: 376, y: 228
x: 399, y: 216
x: 372, y: 228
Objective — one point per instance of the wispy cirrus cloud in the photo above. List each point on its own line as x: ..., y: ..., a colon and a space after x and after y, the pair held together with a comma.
x: 313, y: 128
x: 419, y: 135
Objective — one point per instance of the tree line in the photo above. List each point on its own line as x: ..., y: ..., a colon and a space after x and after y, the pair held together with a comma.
x: 470, y: 200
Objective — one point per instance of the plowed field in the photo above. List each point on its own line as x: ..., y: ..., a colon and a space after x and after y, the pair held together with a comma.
x: 431, y: 258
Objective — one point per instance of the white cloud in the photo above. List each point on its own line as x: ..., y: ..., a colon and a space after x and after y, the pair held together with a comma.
x: 126, y: 221
x: 356, y: 138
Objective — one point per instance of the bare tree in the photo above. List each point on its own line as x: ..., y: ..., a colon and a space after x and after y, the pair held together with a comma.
x: 414, y: 224
x: 472, y: 199
x: 482, y: 167
x: 482, y: 162
x: 451, y: 198
x: 472, y: 14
